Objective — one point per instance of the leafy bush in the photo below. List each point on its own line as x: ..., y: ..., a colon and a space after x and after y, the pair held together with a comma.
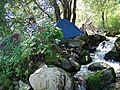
x: 113, y: 25
x: 16, y: 65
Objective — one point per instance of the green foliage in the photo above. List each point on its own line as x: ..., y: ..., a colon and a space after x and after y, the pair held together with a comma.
x: 100, y: 10
x: 15, y: 65
x: 113, y: 24
x: 85, y: 57
x: 49, y: 35
x: 3, y: 22
x: 83, y: 53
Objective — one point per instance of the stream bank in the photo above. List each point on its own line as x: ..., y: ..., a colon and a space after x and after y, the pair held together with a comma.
x: 84, y: 58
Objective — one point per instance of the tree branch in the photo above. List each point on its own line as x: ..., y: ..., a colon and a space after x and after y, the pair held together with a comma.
x: 42, y: 9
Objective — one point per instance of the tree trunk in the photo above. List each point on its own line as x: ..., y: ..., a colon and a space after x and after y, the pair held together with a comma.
x: 65, y: 8
x: 56, y: 8
x: 69, y: 10
x: 74, y: 12
x: 57, y: 11
x: 103, y: 19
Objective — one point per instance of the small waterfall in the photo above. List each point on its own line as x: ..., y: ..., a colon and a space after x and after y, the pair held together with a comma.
x: 103, y: 48
x: 101, y: 51
x: 98, y: 56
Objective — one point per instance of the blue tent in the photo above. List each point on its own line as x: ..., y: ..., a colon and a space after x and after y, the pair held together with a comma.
x: 68, y: 28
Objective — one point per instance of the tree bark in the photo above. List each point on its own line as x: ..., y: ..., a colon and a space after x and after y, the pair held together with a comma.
x: 56, y: 8
x: 69, y: 10
x: 65, y: 8
x: 57, y: 11
x: 74, y: 12
x: 66, y: 4
x: 103, y: 19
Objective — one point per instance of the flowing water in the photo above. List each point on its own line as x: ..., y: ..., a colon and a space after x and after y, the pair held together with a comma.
x: 98, y: 56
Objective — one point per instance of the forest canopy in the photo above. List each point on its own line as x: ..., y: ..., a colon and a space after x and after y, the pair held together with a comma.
x: 15, y: 13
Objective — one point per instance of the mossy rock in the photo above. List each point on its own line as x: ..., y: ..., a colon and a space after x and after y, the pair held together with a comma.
x: 112, y: 33
x: 97, y: 38
x: 111, y: 55
x: 93, y: 41
x: 98, y: 66
x: 69, y: 66
x: 85, y: 60
x: 117, y: 44
x: 113, y: 86
x: 118, y: 39
x: 85, y: 57
x: 83, y: 53
x: 100, y: 79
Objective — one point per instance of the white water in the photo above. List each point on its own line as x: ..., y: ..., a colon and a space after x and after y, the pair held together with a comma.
x: 98, y: 56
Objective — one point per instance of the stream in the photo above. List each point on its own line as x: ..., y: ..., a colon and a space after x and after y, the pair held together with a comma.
x: 98, y: 56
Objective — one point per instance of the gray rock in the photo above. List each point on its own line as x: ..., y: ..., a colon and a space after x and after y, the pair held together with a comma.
x: 50, y: 78
x: 23, y: 86
x: 76, y: 43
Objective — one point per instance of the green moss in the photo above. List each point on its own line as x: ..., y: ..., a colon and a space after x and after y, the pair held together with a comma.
x: 100, y: 79
x: 118, y: 39
x: 95, y: 78
x: 83, y: 53
x: 113, y: 53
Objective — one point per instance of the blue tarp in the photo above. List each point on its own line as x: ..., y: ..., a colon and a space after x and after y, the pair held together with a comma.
x: 68, y: 28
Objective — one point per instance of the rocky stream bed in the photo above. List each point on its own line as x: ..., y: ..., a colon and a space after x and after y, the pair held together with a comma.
x: 87, y: 66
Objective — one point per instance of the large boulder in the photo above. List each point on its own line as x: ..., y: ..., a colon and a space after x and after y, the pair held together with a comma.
x: 115, y: 85
x: 50, y: 78
x: 101, y: 79
x: 93, y: 41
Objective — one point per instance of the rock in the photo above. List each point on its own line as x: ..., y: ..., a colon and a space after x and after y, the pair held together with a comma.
x: 97, y: 38
x: 23, y: 86
x: 79, y: 83
x: 50, y: 78
x: 112, y: 33
x: 112, y: 55
x: 101, y: 79
x: 70, y: 65
x: 113, y: 86
x: 93, y: 41
x: 117, y: 40
x: 84, y: 57
x: 76, y: 43
x: 80, y: 88
x: 85, y: 60
x: 118, y: 73
x: 77, y: 51
x: 98, y: 66
x: 117, y: 44
x: 92, y: 49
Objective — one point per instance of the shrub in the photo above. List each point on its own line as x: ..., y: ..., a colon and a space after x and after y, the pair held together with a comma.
x: 16, y: 64
x: 113, y: 25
